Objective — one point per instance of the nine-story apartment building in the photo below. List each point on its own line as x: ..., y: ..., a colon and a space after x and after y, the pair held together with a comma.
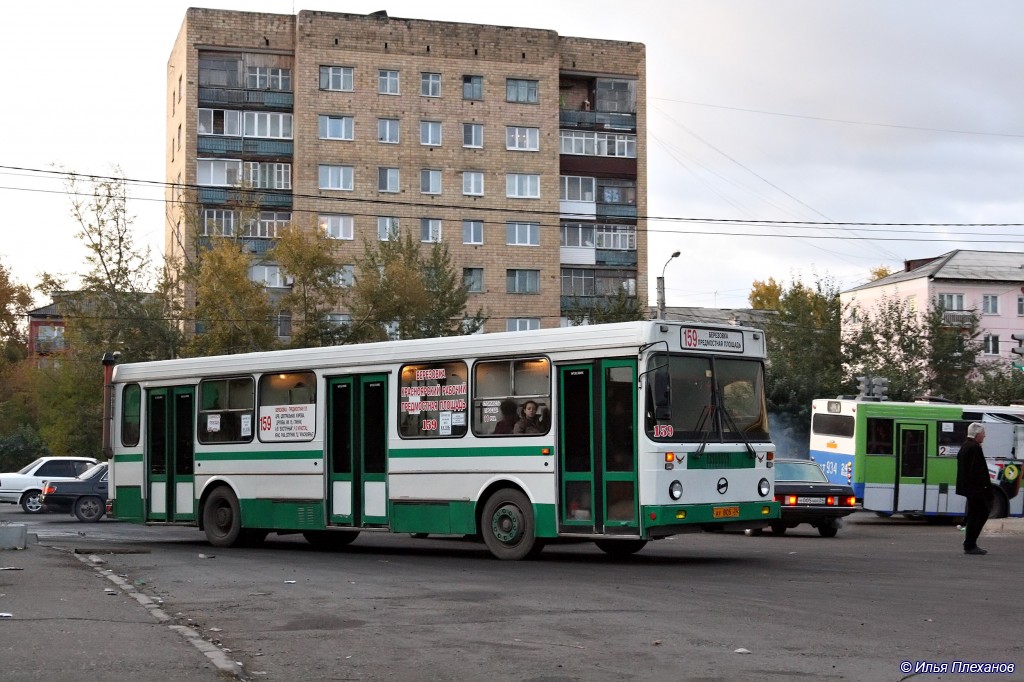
x: 521, y: 149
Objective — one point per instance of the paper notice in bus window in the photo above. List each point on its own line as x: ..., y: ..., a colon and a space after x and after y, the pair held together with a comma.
x: 246, y: 425
x: 947, y: 427
x: 213, y: 423
x: 458, y: 418
x: 444, y: 423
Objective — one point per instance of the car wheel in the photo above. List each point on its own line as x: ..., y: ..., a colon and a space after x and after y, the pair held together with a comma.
x: 753, y: 532
x: 778, y: 528
x: 89, y: 509
x: 828, y: 529
x: 30, y: 502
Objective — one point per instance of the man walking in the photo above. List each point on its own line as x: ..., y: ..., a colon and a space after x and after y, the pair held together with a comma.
x: 972, y: 481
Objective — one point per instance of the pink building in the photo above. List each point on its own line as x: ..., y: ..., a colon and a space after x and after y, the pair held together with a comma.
x: 990, y: 283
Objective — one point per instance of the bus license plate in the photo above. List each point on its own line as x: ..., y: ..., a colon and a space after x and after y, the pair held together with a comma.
x: 725, y: 512
x: 810, y: 500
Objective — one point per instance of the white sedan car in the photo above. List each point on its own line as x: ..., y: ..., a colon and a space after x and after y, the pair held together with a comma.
x: 23, y: 487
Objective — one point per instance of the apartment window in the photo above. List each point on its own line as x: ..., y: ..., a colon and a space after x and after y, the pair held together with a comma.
x: 473, y: 87
x: 387, y: 228
x: 991, y: 345
x: 219, y: 222
x: 430, y: 230
x: 615, y: 94
x: 610, y: 283
x: 951, y: 301
x: 617, y: 192
x: 268, y: 78
x: 179, y: 87
x: 267, y: 275
x: 588, y: 143
x: 522, y: 281
x: 268, y: 175
x: 430, y: 84
x: 339, y: 319
x: 345, y: 277
x: 387, y: 179
x: 430, y: 133
x: 219, y: 172
x: 574, y: 188
x: 523, y: 234
x: 430, y: 181
x: 337, y: 128
x: 267, y: 224
x: 577, y: 282
x: 990, y: 304
x: 472, y: 232
x: 338, y: 226
x: 473, y: 279
x: 387, y: 130
x: 268, y: 124
x: 387, y: 82
x: 473, y: 135
x: 522, y: 139
x: 220, y: 72
x: 521, y: 90
x: 1020, y: 305
x: 616, y: 237
x: 522, y: 186
x: 337, y: 78
x: 473, y: 183
x: 522, y: 324
x: 220, y: 122
x: 337, y: 177
x: 577, y: 235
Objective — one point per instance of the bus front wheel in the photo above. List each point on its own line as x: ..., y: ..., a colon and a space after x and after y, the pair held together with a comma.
x: 507, y: 525
x: 222, y: 519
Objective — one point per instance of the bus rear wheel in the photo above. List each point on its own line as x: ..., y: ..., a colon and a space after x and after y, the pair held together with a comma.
x: 222, y: 519
x: 620, y: 548
x: 1000, y: 506
x: 507, y: 525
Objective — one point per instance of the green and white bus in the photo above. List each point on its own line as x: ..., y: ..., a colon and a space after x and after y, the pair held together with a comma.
x: 637, y: 431
x: 901, y: 457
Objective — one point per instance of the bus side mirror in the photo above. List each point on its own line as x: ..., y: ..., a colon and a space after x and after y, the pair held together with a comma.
x: 662, y: 395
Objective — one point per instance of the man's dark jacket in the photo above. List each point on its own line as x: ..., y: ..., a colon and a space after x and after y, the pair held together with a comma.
x: 971, y: 470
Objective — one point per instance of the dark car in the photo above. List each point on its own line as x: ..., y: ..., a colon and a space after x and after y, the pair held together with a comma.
x: 807, y: 496
x: 85, y: 496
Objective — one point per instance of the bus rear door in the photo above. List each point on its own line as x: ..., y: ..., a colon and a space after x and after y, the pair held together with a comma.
x: 357, y: 494
x: 911, y: 446
x: 597, y: 448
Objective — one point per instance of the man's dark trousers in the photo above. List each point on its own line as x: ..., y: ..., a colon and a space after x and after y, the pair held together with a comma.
x: 978, y: 507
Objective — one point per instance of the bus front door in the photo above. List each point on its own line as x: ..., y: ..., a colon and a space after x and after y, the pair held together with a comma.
x: 911, y: 442
x: 357, y: 494
x: 597, y: 448
x: 170, y: 451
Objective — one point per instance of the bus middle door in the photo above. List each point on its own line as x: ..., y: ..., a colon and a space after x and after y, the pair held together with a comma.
x: 911, y: 444
x: 357, y: 451
x: 170, y: 448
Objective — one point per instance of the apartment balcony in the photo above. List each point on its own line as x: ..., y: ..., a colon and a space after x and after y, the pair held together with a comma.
x: 270, y: 99
x: 615, y: 257
x: 616, y: 211
x: 597, y: 120
x: 261, y: 197
x: 583, y: 302
x: 253, y: 245
x: 958, y: 318
x: 212, y: 144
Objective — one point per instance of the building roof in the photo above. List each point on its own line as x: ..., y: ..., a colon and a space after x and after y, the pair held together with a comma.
x: 746, y: 317
x: 988, y: 266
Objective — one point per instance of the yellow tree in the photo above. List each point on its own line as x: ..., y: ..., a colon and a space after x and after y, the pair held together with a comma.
x: 765, y: 295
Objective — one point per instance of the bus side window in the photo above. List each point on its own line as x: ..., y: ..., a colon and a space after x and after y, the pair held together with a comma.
x: 879, y: 436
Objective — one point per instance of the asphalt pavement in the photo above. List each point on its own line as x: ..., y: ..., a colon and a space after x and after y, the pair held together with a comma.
x: 64, y: 616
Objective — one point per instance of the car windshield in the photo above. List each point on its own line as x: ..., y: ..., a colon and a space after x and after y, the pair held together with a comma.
x: 799, y: 471
x: 28, y: 467
x: 94, y: 470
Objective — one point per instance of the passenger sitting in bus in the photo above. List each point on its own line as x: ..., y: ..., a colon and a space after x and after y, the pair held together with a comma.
x: 529, y: 422
x: 508, y: 417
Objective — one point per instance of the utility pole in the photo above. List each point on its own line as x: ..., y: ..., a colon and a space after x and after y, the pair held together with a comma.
x: 661, y: 286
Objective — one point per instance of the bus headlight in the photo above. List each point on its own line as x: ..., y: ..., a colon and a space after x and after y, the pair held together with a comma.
x: 675, y: 490
x: 764, y: 487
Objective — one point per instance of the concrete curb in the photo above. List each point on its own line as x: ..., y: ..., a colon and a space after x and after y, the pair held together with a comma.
x: 1004, y: 527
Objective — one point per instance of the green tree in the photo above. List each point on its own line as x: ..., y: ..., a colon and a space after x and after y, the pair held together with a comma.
x: 619, y: 306
x: 998, y: 383
x: 15, y: 299
x: 316, y: 290
x: 804, y: 352
x: 888, y: 341
x: 400, y: 291
x: 233, y: 314
x: 952, y: 352
x: 20, y: 447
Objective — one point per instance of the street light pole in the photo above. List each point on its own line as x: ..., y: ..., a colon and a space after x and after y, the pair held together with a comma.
x: 661, y: 286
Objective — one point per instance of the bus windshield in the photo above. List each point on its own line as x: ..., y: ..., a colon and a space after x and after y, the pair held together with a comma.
x: 714, y: 399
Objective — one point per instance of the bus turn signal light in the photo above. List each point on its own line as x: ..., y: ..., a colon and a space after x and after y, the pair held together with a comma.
x: 670, y: 457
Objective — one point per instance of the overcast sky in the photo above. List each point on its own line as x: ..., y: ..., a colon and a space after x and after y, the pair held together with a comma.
x: 847, y: 111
